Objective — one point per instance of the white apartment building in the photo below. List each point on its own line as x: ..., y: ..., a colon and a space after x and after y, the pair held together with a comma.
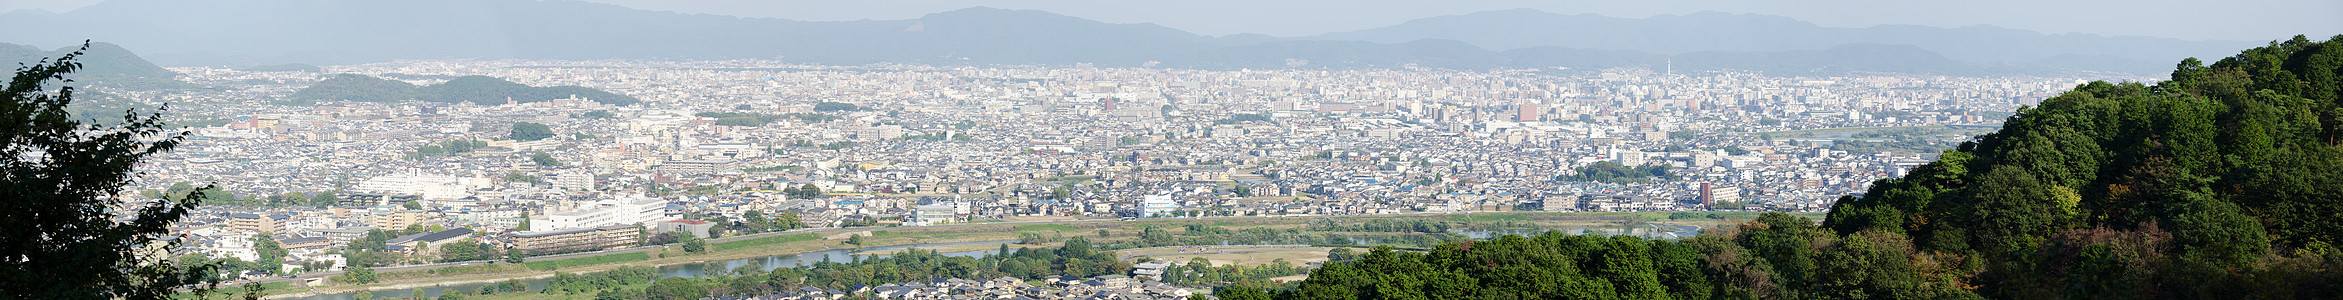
x: 428, y: 186
x: 629, y: 210
x: 575, y: 180
x: 1157, y: 205
x: 938, y: 213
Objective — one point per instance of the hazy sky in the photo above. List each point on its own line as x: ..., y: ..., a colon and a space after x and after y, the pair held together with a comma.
x: 2246, y: 20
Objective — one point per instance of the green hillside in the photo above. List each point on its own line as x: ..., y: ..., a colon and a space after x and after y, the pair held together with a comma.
x: 2205, y: 185
x: 2222, y: 183
x: 481, y: 90
x: 104, y: 64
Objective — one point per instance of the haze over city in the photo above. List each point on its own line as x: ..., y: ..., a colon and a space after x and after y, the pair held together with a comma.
x: 2192, y: 20
x: 1241, y: 150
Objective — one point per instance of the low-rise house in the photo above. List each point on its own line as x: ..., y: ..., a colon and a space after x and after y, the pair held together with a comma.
x: 430, y: 242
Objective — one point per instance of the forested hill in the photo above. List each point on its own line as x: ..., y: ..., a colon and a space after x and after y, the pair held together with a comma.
x: 2222, y: 183
x: 103, y: 64
x: 482, y: 90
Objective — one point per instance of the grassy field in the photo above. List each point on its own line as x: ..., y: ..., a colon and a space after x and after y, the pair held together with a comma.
x: 957, y: 248
x: 237, y: 291
x: 455, y: 271
x: 590, y: 260
x: 765, y: 241
x: 1121, y: 231
x: 1046, y: 227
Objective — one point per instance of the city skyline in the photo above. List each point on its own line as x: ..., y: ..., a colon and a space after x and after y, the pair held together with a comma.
x: 1050, y: 149
x: 2186, y: 20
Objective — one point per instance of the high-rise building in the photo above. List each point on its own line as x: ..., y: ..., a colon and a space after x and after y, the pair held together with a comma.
x: 1525, y: 113
x: 1710, y: 194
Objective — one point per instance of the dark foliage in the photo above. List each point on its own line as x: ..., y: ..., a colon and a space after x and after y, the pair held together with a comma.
x: 69, y: 237
x: 2218, y: 184
x: 1610, y: 171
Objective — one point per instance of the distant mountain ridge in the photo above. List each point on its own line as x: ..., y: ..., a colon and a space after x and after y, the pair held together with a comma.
x: 103, y: 64
x: 481, y: 90
x: 323, y: 32
x: 1715, y: 31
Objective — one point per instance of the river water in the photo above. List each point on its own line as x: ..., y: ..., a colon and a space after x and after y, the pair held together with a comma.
x: 711, y: 268
x: 769, y: 263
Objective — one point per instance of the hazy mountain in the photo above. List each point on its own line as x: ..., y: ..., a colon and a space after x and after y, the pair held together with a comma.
x: 1845, y: 58
x: 1713, y: 31
x: 242, y: 33
x: 482, y: 90
x: 1345, y: 54
x: 103, y: 64
x: 253, y: 32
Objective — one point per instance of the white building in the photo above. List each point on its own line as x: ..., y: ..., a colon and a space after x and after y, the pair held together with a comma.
x: 630, y: 210
x: 575, y: 180
x: 428, y: 186
x: 1157, y: 205
x: 938, y: 213
x: 239, y: 247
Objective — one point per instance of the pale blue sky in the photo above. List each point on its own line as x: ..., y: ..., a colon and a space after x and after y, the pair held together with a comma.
x: 2246, y: 20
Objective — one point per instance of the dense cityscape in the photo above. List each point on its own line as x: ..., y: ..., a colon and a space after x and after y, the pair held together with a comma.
x: 1193, y: 150
x: 900, y: 145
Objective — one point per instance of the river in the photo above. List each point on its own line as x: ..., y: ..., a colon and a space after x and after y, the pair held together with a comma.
x: 700, y: 269
x: 768, y: 263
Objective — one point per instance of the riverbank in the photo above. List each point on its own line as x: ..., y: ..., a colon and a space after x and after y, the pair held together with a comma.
x: 806, y: 241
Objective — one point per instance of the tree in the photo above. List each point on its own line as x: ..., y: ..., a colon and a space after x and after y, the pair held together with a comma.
x: 835, y: 106
x: 788, y: 220
x: 599, y: 114
x: 358, y: 275
x: 543, y: 159
x: 525, y: 131
x: 325, y: 198
x: 519, y: 177
x: 524, y: 226
x: 674, y: 288
x: 691, y: 244
x: 806, y: 191
x: 61, y: 176
x: 1340, y: 255
x: 414, y: 205
x: 515, y: 255
x: 272, y: 255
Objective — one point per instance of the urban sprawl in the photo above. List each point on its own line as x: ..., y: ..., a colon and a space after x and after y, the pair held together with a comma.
x: 906, y: 145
